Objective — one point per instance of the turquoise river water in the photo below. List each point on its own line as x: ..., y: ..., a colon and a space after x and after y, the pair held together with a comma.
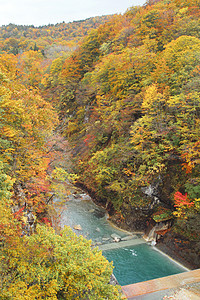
x: 132, y: 264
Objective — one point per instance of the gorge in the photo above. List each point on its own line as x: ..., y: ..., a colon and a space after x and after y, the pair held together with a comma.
x: 134, y: 259
x: 111, y: 105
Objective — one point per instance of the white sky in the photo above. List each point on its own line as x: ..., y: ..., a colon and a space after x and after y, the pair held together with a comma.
x: 44, y: 12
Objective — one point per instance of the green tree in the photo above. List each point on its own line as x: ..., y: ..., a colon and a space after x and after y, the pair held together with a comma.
x: 53, y: 266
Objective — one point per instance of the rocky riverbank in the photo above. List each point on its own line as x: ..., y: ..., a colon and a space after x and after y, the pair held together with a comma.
x: 180, y: 249
x: 176, y: 247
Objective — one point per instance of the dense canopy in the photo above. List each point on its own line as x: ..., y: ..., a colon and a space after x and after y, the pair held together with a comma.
x: 126, y: 96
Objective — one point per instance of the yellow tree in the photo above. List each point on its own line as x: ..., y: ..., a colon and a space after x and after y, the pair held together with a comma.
x: 26, y: 122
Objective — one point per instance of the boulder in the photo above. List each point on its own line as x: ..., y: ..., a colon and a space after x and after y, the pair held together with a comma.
x: 129, y: 237
x: 114, y: 235
x: 77, y: 227
x: 116, y: 240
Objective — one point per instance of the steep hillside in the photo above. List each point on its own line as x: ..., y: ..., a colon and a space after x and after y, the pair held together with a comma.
x: 127, y: 94
x: 128, y: 99
x: 52, y: 40
x: 38, y: 260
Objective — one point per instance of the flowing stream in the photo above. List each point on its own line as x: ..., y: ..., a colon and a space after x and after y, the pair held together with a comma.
x: 134, y: 260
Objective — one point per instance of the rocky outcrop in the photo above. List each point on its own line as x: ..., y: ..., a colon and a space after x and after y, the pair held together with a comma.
x: 154, y: 233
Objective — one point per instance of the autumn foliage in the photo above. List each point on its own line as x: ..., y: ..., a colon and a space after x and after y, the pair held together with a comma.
x: 181, y: 200
x: 35, y: 261
x: 126, y: 96
x: 129, y: 103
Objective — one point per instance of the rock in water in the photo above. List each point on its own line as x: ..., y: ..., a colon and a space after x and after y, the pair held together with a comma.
x: 105, y: 239
x: 117, y: 240
x: 129, y: 237
x: 77, y: 227
x: 114, y: 235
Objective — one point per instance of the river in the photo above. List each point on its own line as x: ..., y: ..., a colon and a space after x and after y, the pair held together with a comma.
x: 134, y: 260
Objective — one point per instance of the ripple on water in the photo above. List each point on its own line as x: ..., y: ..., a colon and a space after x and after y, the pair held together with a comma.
x: 140, y: 263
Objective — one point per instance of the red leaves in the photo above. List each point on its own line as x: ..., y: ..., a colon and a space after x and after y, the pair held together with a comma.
x: 181, y: 200
x: 89, y: 138
x: 46, y: 221
x: 18, y: 214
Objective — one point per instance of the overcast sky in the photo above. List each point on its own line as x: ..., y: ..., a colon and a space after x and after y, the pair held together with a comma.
x: 44, y: 12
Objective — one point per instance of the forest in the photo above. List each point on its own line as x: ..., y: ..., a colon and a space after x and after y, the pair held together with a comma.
x: 124, y: 92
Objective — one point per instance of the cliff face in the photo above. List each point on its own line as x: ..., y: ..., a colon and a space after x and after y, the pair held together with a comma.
x: 181, y: 249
